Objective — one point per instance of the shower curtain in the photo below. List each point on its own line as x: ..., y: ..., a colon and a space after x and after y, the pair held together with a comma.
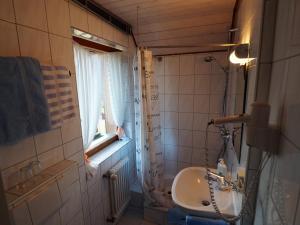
x: 149, y: 154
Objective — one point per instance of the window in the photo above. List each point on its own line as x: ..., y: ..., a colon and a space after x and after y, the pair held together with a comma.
x: 101, y: 125
x: 102, y: 84
x: 98, y: 129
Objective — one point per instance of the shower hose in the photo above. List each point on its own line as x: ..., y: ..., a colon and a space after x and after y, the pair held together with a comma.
x: 251, y: 188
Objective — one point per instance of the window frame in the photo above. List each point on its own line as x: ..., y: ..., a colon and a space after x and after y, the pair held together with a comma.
x: 107, y: 140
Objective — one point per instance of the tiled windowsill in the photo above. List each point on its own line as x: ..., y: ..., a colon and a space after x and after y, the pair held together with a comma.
x: 107, y: 152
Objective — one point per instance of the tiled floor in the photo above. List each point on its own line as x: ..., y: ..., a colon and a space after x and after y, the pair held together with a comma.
x: 134, y: 216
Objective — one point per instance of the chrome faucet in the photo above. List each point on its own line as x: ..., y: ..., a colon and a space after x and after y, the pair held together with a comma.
x: 222, y: 183
x: 219, y: 178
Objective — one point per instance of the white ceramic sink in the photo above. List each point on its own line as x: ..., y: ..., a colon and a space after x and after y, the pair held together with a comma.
x: 190, y: 189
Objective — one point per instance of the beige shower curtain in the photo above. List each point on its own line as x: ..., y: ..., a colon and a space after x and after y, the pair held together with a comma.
x: 149, y: 154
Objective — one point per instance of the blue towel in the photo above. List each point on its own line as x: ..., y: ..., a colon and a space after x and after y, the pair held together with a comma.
x: 176, y: 217
x: 193, y: 220
x: 23, y: 106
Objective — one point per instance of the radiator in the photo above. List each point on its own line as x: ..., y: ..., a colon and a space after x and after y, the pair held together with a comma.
x: 119, y: 189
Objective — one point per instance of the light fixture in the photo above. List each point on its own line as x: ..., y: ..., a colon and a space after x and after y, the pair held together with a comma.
x: 240, y: 55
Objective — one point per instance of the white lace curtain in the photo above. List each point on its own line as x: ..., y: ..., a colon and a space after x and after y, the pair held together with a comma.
x: 149, y: 155
x: 90, y: 74
x: 118, y: 88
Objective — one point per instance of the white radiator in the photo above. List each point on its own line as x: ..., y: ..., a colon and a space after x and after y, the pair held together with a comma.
x: 119, y: 188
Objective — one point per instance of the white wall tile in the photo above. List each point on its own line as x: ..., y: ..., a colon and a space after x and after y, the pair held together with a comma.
x: 171, y: 120
x: 13, y: 154
x: 108, y: 31
x: 21, y: 215
x: 272, y: 217
x: 11, y: 175
x: 97, y: 216
x: 50, y: 196
x: 202, y: 84
x: 185, y: 138
x: 201, y: 103
x: 79, y: 17
x: 11, y: 46
x: 53, y: 220
x: 198, y: 157
x: 159, y: 66
x: 171, y: 84
x: 187, y: 64
x: 277, y: 91
x: 41, y: 48
x: 73, y: 147
x: 72, y: 199
x: 186, y: 121
x: 47, y: 140
x: 94, y: 192
x: 216, y: 104
x: 171, y: 136
x: 198, y: 139
x: 200, y: 121
x: 77, y: 219
x: 85, y: 206
x: 182, y: 165
x: 62, y: 52
x: 171, y: 152
x: 68, y: 178
x: 186, y: 84
x: 51, y: 157
x: 78, y: 157
x: 172, y: 65
x: 161, y: 84
x: 297, y: 220
x: 31, y: 13
x: 7, y: 10
x: 222, y: 60
x: 286, y: 183
x: 281, y: 31
x: 71, y: 129
x: 171, y: 103
x: 58, y: 16
x: 83, y: 179
x: 217, y: 84
x: 186, y: 103
x: 171, y: 167
x: 185, y: 154
x: 95, y: 25
x: 291, y: 122
x: 214, y: 141
x: 201, y: 66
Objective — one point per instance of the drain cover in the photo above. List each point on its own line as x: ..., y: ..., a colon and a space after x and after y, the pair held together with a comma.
x: 205, y: 203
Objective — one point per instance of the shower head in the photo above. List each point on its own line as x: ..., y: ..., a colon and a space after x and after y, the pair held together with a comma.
x: 209, y: 58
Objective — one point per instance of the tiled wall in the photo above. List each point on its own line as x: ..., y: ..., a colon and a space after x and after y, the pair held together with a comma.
x: 191, y: 92
x: 278, y: 200
x: 41, y: 29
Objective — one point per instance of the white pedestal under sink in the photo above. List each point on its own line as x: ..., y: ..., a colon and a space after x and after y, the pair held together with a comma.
x: 190, y: 192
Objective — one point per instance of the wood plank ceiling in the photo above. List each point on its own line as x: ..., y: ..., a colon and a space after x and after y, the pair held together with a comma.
x: 175, y: 22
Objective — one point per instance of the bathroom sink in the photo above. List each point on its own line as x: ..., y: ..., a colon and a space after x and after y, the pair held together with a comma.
x: 190, y: 192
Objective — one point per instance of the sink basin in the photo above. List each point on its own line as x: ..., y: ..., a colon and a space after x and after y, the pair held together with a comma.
x: 190, y: 192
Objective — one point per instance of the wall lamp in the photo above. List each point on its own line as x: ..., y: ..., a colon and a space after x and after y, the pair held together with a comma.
x: 240, y: 55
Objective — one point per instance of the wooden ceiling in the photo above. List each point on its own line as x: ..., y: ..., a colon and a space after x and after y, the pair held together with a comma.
x: 175, y: 22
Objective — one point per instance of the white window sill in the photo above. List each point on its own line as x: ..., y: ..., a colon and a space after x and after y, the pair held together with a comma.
x: 105, y: 153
